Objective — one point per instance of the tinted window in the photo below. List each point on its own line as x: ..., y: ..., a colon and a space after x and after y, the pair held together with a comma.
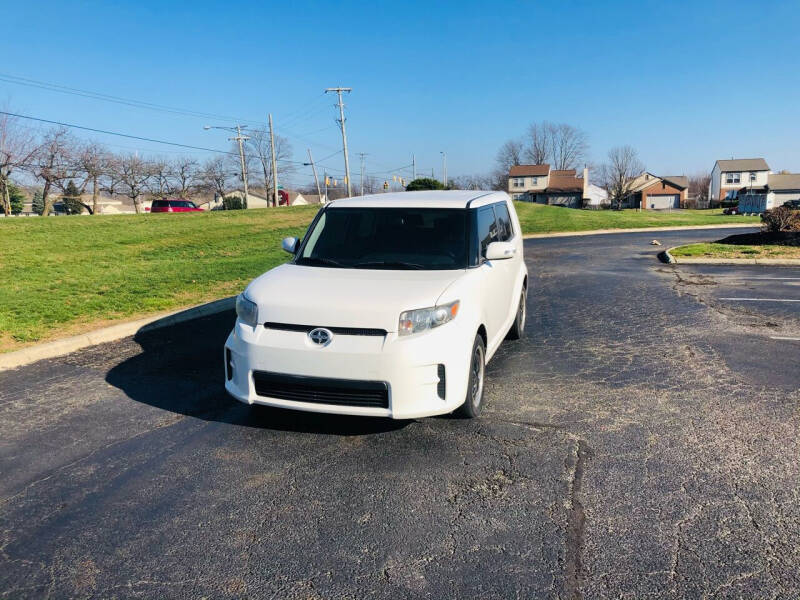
x: 159, y: 204
x: 504, y: 229
x: 487, y: 230
x: 182, y: 204
x: 389, y: 238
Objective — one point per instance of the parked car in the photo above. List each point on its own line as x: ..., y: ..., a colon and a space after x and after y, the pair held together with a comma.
x: 174, y: 205
x: 793, y: 204
x: 391, y: 306
x: 731, y: 210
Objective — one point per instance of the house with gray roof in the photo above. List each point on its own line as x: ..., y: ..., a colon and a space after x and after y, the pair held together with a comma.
x: 780, y: 189
x: 729, y: 177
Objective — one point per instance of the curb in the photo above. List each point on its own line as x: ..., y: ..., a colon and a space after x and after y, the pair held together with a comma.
x: 532, y: 236
x: 667, y: 257
x: 19, y: 358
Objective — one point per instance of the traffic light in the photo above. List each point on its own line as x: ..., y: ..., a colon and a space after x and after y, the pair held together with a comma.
x: 386, y: 185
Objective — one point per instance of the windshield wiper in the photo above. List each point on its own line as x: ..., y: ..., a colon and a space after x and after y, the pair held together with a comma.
x: 316, y: 260
x: 388, y: 264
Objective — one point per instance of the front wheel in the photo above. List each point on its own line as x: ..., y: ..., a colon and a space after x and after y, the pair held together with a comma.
x: 518, y: 328
x: 473, y: 403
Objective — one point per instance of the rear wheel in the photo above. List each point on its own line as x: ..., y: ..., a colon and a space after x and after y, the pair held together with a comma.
x: 473, y: 403
x: 518, y: 328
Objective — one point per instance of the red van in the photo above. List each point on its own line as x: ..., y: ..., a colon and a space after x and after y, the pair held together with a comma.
x: 174, y: 205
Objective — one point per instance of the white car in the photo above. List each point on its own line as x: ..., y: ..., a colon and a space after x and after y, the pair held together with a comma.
x: 391, y: 307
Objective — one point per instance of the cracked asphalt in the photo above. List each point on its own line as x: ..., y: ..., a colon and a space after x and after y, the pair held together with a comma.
x: 641, y: 441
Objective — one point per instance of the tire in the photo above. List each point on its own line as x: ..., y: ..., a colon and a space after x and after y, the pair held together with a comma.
x: 518, y: 328
x: 473, y: 402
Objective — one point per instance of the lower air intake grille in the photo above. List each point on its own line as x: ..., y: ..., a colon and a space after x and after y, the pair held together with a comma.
x: 321, y: 390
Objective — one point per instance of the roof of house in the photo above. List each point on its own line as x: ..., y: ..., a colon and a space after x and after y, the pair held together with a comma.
x: 423, y: 199
x: 313, y: 198
x: 643, y: 180
x: 564, y: 172
x: 564, y: 183
x: 786, y: 181
x: 743, y: 164
x: 681, y: 181
x: 528, y: 170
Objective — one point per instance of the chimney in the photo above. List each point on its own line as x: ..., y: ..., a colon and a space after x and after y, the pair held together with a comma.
x: 585, y: 181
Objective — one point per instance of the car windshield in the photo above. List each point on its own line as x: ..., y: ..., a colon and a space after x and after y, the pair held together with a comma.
x: 387, y: 238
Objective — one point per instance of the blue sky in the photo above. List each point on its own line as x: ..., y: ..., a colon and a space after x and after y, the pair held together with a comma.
x: 684, y: 83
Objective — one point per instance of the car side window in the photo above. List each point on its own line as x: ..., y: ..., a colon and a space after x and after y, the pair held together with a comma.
x: 505, y: 231
x: 487, y: 229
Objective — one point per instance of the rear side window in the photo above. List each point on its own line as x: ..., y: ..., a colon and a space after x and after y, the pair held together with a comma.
x: 504, y: 229
x: 159, y: 204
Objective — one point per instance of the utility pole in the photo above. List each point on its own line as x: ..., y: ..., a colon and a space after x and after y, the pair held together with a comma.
x: 413, y: 167
x: 339, y: 91
x: 241, y: 138
x: 274, y: 164
x: 316, y: 179
x: 444, y: 168
x: 362, y: 155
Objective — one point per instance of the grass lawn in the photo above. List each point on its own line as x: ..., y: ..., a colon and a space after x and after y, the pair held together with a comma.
x: 540, y: 218
x: 717, y: 250
x: 63, y: 275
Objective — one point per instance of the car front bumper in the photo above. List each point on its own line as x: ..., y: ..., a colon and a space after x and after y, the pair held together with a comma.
x: 408, y: 365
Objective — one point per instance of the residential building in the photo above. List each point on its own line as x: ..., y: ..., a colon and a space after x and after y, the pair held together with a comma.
x: 539, y: 183
x: 595, y: 197
x: 652, y: 192
x: 780, y: 188
x: 729, y: 177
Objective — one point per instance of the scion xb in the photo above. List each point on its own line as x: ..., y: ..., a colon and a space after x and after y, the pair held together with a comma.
x: 391, y: 306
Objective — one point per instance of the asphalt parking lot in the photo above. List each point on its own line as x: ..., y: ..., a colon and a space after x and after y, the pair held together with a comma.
x: 641, y: 441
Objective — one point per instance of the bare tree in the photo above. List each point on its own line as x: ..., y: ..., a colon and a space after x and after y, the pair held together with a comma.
x: 17, y: 150
x: 538, y: 149
x: 560, y: 145
x: 622, y: 166
x: 569, y: 146
x: 55, y: 163
x: 133, y: 174
x: 510, y: 154
x: 159, y: 184
x: 260, y: 144
x: 698, y: 188
x: 184, y: 176
x: 214, y: 176
x: 92, y: 160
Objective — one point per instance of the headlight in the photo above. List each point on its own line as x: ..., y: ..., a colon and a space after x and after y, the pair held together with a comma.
x: 246, y: 310
x: 422, y: 319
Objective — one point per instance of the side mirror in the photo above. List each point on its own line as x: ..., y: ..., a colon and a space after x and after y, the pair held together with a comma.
x: 500, y: 250
x: 289, y: 244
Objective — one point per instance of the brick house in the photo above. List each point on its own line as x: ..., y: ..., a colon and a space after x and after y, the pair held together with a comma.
x: 729, y: 177
x: 653, y: 192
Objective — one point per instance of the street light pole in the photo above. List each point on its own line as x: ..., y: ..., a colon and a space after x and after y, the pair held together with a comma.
x: 239, y: 138
x: 444, y: 168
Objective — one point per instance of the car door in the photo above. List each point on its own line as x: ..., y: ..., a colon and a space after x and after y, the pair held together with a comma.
x: 492, y: 276
x: 507, y: 269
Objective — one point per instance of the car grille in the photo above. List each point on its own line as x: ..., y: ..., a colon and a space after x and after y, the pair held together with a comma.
x: 322, y: 390
x: 335, y: 330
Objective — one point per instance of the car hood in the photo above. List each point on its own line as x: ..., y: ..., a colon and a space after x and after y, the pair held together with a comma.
x: 332, y: 297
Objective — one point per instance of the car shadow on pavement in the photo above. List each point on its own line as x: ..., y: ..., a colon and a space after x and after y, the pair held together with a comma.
x: 180, y: 369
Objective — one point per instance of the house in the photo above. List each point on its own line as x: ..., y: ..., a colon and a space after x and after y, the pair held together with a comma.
x: 780, y: 188
x: 540, y: 184
x: 653, y: 192
x: 729, y: 177
x: 596, y: 196
x: 288, y: 198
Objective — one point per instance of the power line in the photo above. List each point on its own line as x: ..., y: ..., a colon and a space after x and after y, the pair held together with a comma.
x: 54, y: 87
x: 129, y: 136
